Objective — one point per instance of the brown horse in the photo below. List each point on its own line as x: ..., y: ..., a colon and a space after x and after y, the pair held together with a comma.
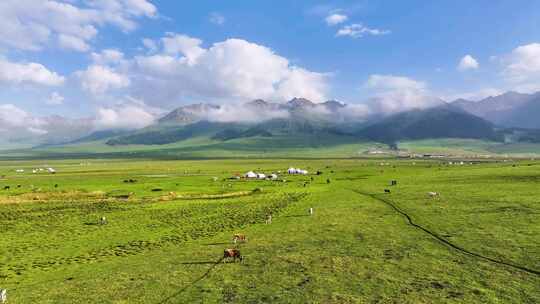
x: 232, y: 253
x: 239, y: 237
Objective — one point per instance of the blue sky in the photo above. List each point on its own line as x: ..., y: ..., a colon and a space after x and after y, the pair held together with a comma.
x: 401, y: 50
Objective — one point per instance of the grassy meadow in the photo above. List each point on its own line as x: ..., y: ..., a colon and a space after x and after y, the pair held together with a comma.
x: 166, y: 231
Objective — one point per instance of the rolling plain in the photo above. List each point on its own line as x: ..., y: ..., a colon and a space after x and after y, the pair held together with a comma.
x: 168, y: 222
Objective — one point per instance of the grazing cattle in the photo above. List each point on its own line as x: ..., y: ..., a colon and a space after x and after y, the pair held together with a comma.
x: 310, y: 211
x: 56, y: 185
x: 386, y: 190
x: 393, y: 183
x: 239, y: 237
x: 269, y: 219
x: 3, y: 296
x: 103, y: 221
x: 18, y: 186
x: 319, y: 172
x: 328, y: 181
x: 7, y: 187
x: 232, y: 253
x: 433, y: 194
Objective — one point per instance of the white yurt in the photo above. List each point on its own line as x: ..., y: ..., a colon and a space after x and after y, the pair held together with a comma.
x: 291, y: 171
x: 250, y: 174
x: 261, y: 176
x: 273, y: 176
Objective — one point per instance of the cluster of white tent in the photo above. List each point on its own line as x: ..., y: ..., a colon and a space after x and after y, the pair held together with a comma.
x: 297, y: 171
x: 50, y: 170
x: 458, y: 163
x: 254, y: 175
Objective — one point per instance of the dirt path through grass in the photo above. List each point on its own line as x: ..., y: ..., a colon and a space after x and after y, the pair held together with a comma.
x: 443, y: 240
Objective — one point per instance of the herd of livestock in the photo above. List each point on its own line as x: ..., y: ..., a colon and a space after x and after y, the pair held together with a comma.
x: 228, y: 253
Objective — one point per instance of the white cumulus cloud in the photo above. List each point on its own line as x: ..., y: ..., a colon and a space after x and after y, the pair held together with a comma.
x: 335, y: 19
x: 233, y: 69
x: 393, y: 94
x: 55, y: 99
x: 107, y: 56
x: 468, y: 62
x: 33, y: 24
x: 522, y: 68
x: 123, y: 116
x: 357, y: 30
x: 28, y: 73
x: 186, y: 46
x: 19, y: 122
x: 98, y: 79
x: 217, y: 18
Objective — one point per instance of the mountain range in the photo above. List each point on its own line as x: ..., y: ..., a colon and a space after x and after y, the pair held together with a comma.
x: 510, y: 109
x: 510, y: 117
x: 302, y: 117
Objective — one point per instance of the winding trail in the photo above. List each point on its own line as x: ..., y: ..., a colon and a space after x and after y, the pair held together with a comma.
x: 443, y: 240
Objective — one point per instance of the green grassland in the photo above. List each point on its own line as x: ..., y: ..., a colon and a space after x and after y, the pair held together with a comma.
x: 305, y: 146
x: 470, y: 147
x: 286, y: 146
x: 166, y: 246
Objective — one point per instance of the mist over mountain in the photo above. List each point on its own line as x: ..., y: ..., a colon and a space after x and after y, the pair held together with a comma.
x: 378, y: 119
x: 301, y: 117
x: 438, y: 122
x: 259, y: 110
x: 510, y: 109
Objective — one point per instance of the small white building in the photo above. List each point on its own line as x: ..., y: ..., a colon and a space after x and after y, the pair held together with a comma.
x: 51, y: 170
x: 291, y: 171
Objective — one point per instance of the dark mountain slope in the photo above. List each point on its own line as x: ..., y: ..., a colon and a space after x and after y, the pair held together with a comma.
x: 439, y: 122
x: 167, y: 135
x: 100, y: 135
